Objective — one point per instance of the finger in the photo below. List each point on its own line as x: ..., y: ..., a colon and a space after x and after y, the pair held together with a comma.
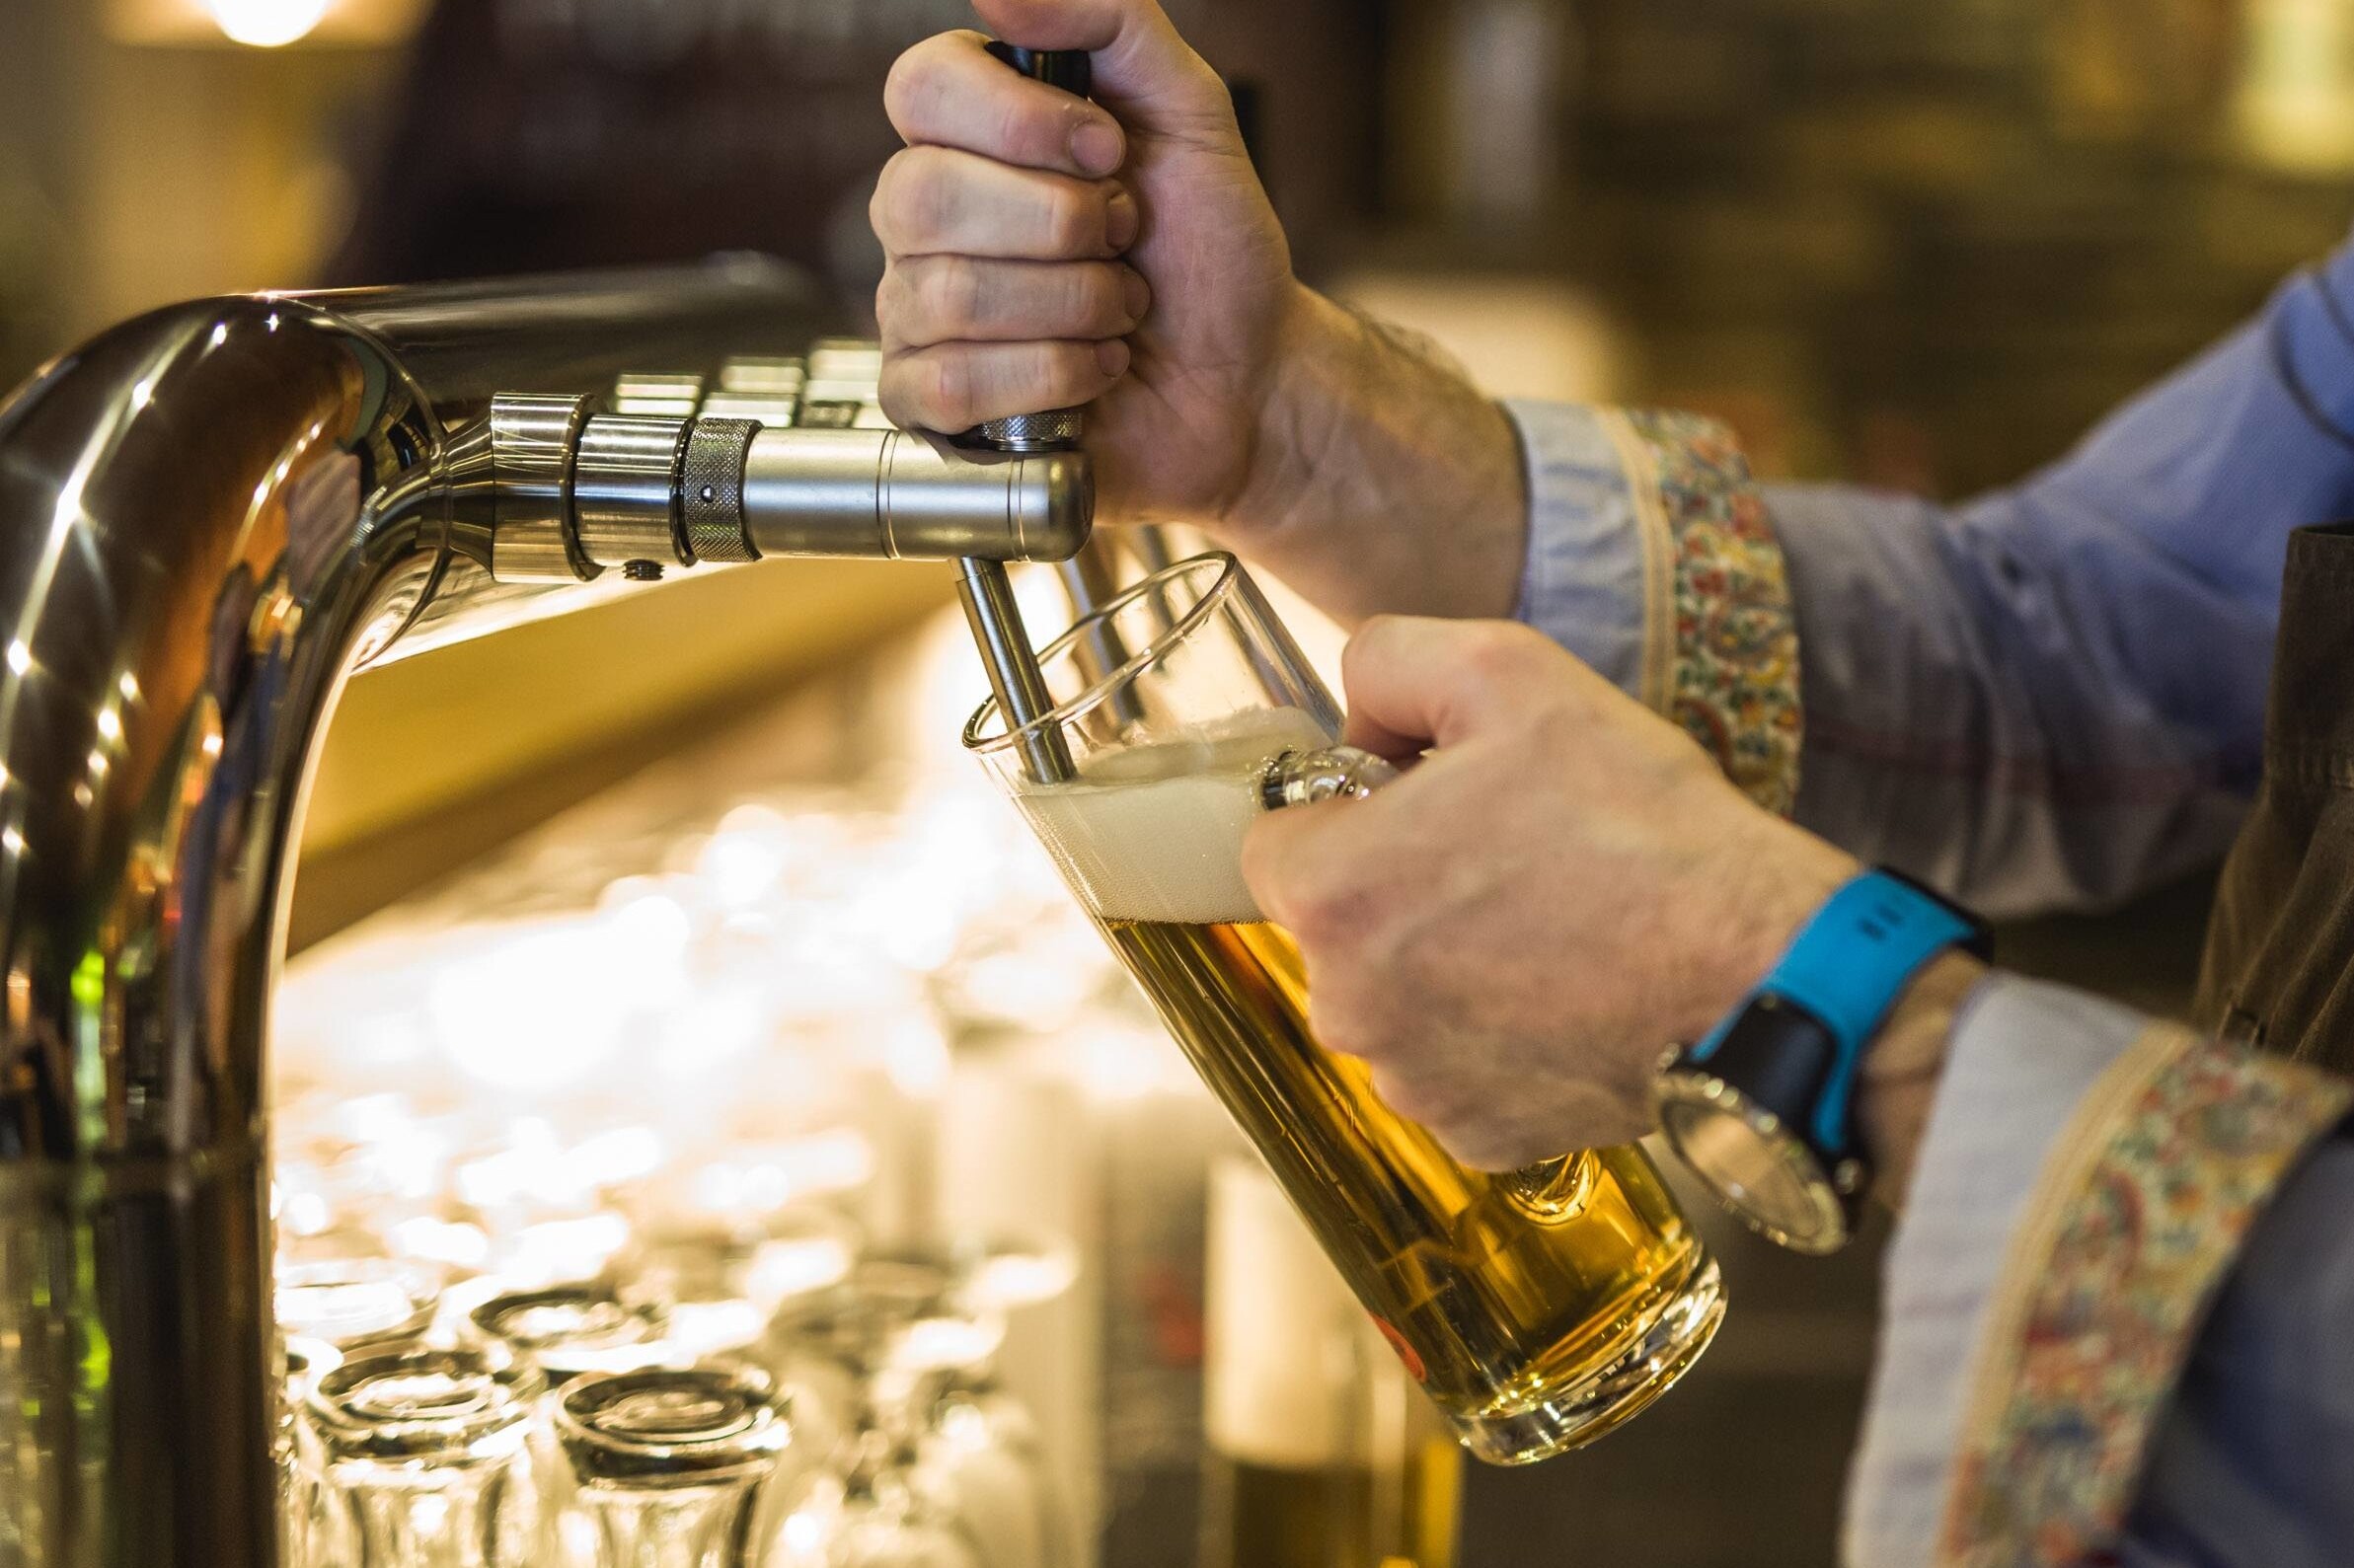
x: 941, y: 299
x: 937, y: 200
x: 953, y: 387
x: 1144, y: 72
x: 1302, y: 866
x: 951, y: 91
x: 1414, y: 683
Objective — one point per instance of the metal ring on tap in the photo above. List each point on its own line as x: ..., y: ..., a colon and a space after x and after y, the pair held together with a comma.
x: 625, y: 490
x: 711, y: 491
x: 533, y: 436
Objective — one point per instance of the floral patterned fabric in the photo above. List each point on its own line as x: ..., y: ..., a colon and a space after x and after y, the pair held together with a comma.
x: 1721, y: 652
x: 2143, y: 1207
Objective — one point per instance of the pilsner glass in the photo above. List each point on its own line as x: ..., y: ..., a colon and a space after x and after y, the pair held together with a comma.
x: 1538, y: 1309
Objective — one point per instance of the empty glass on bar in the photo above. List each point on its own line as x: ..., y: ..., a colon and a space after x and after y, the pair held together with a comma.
x: 674, y: 1467
x: 1537, y: 1310
x: 426, y: 1459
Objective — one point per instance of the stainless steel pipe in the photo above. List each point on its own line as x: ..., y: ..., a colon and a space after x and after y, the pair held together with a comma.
x: 208, y: 517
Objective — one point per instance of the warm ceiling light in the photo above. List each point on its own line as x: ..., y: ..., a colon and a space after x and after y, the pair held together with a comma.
x: 267, y: 23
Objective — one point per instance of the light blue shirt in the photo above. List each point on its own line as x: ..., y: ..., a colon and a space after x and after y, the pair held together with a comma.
x: 2053, y: 698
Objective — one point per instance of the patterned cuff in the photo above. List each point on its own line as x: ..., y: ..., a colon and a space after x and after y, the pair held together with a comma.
x: 1652, y: 558
x: 2022, y: 1056
x: 2141, y: 1213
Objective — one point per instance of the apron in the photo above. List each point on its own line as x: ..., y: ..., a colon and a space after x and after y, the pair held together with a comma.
x: 2278, y: 971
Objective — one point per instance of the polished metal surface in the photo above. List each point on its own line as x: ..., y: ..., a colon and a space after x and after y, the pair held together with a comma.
x: 625, y: 490
x: 1058, y: 430
x: 1011, y: 661
x: 532, y: 439
x: 208, y: 517
x: 910, y: 497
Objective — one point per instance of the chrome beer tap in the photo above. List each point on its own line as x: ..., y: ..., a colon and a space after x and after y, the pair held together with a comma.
x: 209, y: 517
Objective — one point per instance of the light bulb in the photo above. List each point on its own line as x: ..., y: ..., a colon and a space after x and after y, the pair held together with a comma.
x: 267, y: 23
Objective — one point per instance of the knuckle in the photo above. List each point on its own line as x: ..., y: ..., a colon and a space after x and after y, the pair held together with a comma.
x: 1418, y: 1099
x: 918, y: 193
x: 1340, y: 1022
x: 1499, y: 652
x: 1324, y: 911
x: 909, y: 85
x: 949, y: 391
x: 954, y: 294
x: 894, y: 206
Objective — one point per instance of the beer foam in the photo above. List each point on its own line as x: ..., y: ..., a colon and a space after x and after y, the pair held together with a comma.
x: 1155, y: 831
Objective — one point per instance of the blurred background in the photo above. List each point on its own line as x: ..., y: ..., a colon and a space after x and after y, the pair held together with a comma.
x: 1914, y: 243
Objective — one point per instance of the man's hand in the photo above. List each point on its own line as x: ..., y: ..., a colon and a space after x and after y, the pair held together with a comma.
x: 1046, y: 253
x: 1564, y: 884
x: 1023, y: 224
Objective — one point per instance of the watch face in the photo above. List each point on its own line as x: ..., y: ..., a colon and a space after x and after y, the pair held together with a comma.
x: 1764, y: 1175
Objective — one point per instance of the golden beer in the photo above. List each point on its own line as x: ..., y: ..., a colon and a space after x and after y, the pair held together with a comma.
x: 1492, y: 1289
x: 1538, y: 1309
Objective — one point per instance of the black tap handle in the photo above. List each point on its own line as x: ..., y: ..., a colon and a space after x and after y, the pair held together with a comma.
x: 1072, y: 70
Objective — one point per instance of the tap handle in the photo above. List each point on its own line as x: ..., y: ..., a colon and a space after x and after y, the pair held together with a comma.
x: 1072, y: 70
x: 1057, y: 429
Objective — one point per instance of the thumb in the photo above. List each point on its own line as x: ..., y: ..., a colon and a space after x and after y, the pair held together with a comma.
x: 1144, y: 72
x: 1414, y: 683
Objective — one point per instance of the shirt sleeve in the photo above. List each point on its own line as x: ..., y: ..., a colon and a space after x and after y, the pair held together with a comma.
x: 2051, y: 697
x: 2253, y: 1465
x: 2064, y: 1375
x: 2022, y: 1058
x: 1652, y: 558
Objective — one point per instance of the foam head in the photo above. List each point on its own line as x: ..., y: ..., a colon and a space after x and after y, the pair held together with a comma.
x: 1155, y: 831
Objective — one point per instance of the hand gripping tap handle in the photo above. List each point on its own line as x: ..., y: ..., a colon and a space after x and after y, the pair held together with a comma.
x: 982, y: 585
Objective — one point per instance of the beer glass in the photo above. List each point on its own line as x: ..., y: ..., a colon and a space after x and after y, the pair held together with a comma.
x: 426, y: 1458
x: 671, y: 1467
x: 1538, y: 1309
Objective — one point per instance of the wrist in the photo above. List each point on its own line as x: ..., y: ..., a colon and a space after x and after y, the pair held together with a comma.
x: 1902, y: 1067
x: 1380, y: 479
x: 1815, y: 1091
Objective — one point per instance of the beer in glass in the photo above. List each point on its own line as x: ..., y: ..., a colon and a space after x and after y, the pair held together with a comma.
x: 1536, y: 1309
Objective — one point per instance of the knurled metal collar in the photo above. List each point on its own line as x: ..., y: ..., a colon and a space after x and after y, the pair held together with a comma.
x: 1051, y: 431
x: 533, y: 439
x: 711, y: 490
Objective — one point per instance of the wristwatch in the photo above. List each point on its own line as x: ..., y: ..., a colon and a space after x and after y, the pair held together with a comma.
x: 1764, y: 1108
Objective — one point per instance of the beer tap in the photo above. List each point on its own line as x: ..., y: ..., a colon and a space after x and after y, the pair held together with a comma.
x: 1007, y: 653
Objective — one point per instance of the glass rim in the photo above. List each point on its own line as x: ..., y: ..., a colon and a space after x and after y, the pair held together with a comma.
x: 1100, y: 690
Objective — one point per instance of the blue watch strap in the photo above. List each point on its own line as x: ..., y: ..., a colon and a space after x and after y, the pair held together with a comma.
x: 1845, y: 969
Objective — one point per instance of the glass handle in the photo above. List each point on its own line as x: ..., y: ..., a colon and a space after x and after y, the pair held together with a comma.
x: 1311, y: 777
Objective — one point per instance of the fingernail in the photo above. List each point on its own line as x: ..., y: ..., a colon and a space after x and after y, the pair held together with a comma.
x: 1112, y: 357
x: 1096, y: 145
x: 1121, y: 221
x: 1138, y: 296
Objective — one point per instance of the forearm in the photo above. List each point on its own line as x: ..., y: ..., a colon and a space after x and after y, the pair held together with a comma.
x: 1383, y: 481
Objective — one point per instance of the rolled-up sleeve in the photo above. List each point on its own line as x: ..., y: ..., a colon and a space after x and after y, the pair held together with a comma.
x: 2052, y: 1388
